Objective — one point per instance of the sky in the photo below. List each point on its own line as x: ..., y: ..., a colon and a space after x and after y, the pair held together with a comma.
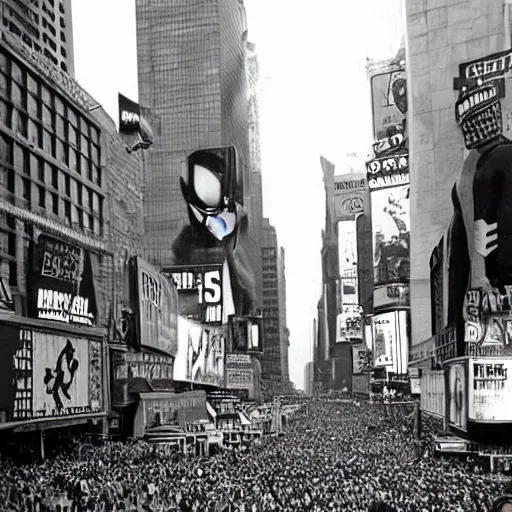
x: 314, y: 100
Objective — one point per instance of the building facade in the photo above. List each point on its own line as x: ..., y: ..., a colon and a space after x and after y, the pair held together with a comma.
x: 44, y: 26
x: 70, y: 212
x: 438, y: 41
x: 274, y: 361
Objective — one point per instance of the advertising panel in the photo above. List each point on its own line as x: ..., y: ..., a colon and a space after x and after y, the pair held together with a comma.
x: 246, y: 333
x: 133, y: 126
x: 200, y: 292
x: 240, y: 372
x: 432, y: 398
x: 388, y: 171
x: 201, y: 353
x: 62, y: 282
x: 458, y: 400
x: 349, y: 196
x: 389, y: 101
x: 350, y: 324
x: 391, y: 240
x: 51, y: 375
x: 157, y: 309
x: 361, y: 360
x: 490, y: 390
x: 415, y: 380
x: 390, y: 340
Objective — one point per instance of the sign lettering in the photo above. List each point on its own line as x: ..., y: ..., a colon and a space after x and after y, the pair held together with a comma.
x: 63, y: 307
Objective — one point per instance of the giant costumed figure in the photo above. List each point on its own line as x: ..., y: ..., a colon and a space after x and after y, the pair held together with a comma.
x: 480, y: 233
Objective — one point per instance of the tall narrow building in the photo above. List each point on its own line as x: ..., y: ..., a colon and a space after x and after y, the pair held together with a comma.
x: 274, y: 364
x: 44, y: 26
x: 192, y: 75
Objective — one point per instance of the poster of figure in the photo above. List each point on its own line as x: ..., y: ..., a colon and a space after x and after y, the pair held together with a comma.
x: 389, y: 101
x: 458, y: 399
x: 218, y: 229
x: 201, y: 353
x: 63, y: 376
x: 391, y: 224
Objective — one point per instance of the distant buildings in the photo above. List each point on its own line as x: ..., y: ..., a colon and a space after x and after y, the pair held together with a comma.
x: 274, y: 364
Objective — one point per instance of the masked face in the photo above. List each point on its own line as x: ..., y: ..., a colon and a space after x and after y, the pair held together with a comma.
x: 204, y: 196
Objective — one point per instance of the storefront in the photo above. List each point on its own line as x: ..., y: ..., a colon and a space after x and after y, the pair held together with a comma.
x: 52, y: 378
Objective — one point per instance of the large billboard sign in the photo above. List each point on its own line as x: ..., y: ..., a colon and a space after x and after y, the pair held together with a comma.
x: 157, y: 309
x: 201, y: 353
x: 349, y: 196
x: 50, y: 376
x: 490, y: 390
x: 390, y: 341
x: 391, y: 226
x: 349, y: 325
x: 389, y: 101
x: 62, y: 282
x: 200, y: 290
x: 388, y: 171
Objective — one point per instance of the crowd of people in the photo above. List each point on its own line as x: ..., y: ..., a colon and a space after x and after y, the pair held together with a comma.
x: 336, y: 456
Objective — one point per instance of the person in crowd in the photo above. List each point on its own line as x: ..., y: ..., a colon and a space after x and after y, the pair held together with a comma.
x: 343, y: 456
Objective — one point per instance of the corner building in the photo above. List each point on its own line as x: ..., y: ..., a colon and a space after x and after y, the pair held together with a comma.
x: 191, y: 68
x: 68, y: 193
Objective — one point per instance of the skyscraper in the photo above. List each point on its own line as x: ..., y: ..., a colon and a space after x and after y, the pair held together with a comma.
x: 191, y: 67
x: 274, y: 364
x: 43, y: 25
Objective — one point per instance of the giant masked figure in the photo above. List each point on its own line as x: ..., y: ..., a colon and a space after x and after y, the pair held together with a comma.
x: 480, y: 233
x: 218, y: 229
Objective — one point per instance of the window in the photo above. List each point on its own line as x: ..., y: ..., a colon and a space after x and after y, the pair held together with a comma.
x: 17, y: 95
x: 34, y: 133
x: 32, y: 106
x: 55, y: 203
x: 19, y: 158
x: 20, y: 123
x: 5, y: 113
x: 47, y: 142
x: 62, y: 36
x: 42, y: 196
x: 4, y: 87
x: 47, y: 116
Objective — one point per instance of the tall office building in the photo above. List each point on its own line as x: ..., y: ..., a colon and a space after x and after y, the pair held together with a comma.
x: 256, y: 206
x: 43, y: 25
x: 275, y: 357
x: 192, y: 75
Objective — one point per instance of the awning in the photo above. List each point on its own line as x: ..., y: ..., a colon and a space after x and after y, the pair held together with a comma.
x: 211, y: 410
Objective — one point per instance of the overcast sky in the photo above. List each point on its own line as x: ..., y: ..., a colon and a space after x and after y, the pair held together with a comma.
x: 314, y: 100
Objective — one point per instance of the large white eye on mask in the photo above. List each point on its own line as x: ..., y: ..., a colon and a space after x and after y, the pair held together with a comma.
x: 207, y: 186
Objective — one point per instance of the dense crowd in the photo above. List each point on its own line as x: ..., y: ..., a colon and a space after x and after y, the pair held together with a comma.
x: 341, y: 456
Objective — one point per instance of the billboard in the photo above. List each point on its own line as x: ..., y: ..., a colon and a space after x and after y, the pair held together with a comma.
x: 390, y: 341
x: 201, y: 353
x: 62, y: 284
x: 157, y: 309
x: 51, y: 375
x: 245, y: 334
x: 217, y: 227
x: 361, y: 360
x: 349, y: 196
x: 389, y: 101
x: 349, y: 325
x: 388, y: 171
x: 200, y: 290
x: 133, y: 126
x: 458, y: 400
x: 490, y: 390
x: 127, y: 367
x: 391, y: 226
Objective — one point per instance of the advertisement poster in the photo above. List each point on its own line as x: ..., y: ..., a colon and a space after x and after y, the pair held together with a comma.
x: 391, y: 226
x: 157, y: 309
x: 349, y: 196
x: 53, y: 376
x: 246, y: 333
x: 390, y: 340
x: 389, y: 101
x: 200, y: 290
x: 458, y: 399
x: 361, y: 360
x: 490, y: 390
x: 350, y: 324
x: 62, y: 282
x: 389, y: 171
x: 201, y: 353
